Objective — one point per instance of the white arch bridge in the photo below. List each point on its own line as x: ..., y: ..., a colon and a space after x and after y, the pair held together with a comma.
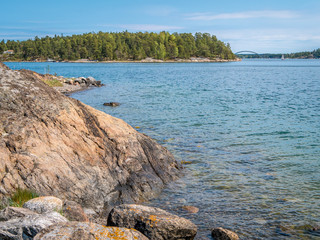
x: 245, y: 52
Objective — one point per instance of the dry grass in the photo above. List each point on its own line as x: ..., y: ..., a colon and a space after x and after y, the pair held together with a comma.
x: 53, y: 82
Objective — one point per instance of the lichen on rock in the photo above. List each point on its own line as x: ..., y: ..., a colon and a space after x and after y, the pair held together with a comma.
x: 155, y: 223
x: 87, y: 231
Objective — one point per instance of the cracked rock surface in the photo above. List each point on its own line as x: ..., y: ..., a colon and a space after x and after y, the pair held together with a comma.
x: 87, y: 231
x: 61, y: 147
x: 154, y: 223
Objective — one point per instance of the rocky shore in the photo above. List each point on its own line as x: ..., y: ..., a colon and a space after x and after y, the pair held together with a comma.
x: 66, y: 85
x: 178, y: 60
x: 149, y: 60
x: 90, y: 169
x: 59, y: 146
x: 52, y: 218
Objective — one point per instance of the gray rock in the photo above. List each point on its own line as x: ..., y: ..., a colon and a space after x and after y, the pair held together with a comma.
x: 89, y: 212
x: 14, y: 212
x: 74, y: 212
x: 98, y: 84
x: 77, y: 81
x: 69, y: 81
x: 87, y: 231
x: 91, y: 79
x: 93, y: 216
x: 27, y: 227
x: 153, y: 222
x: 83, y: 79
x: 44, y: 204
x: 223, y: 234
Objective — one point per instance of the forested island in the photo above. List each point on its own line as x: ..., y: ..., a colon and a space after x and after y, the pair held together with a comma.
x: 298, y: 55
x: 122, y: 46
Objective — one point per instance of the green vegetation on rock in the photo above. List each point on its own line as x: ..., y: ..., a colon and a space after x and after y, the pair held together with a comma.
x: 104, y: 46
x: 53, y: 82
x: 18, y: 198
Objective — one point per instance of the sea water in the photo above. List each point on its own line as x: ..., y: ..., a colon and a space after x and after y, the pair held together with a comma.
x: 248, y: 133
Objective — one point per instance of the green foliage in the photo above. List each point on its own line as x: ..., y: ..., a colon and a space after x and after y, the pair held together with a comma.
x: 119, y: 46
x: 53, y: 82
x: 18, y: 198
x: 61, y: 212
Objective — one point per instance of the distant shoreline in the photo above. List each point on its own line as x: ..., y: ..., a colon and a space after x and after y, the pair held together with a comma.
x: 195, y: 60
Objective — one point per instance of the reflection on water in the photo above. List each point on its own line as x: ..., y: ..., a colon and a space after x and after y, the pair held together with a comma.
x: 248, y: 132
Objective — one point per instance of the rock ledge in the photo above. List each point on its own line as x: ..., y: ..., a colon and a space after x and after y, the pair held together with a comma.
x: 58, y: 146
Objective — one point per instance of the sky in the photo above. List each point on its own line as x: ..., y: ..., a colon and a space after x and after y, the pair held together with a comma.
x: 263, y: 26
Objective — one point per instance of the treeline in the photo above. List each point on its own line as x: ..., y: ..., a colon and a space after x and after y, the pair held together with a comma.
x: 302, y: 55
x: 264, y: 55
x: 313, y: 54
x: 104, y: 46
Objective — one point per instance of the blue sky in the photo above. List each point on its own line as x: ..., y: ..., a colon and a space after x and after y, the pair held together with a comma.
x: 259, y: 25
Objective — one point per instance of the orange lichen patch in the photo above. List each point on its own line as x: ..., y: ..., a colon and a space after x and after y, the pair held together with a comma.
x: 134, y: 210
x: 152, y: 220
x: 113, y: 233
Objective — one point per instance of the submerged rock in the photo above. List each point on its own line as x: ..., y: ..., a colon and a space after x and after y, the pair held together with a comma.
x: 154, y: 223
x: 190, y: 209
x: 60, y: 147
x: 223, y: 234
x: 27, y: 227
x: 44, y: 204
x: 87, y: 231
x: 111, y: 104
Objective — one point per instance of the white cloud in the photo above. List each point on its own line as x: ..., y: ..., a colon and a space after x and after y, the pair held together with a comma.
x: 268, y: 34
x: 274, y: 40
x: 243, y: 15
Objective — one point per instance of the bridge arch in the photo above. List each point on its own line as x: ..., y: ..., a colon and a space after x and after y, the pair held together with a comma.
x: 246, y: 51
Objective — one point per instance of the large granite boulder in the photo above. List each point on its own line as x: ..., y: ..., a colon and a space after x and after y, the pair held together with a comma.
x: 27, y: 227
x: 58, y: 146
x: 14, y: 212
x: 87, y: 231
x: 44, y: 204
x: 153, y: 222
x: 74, y: 212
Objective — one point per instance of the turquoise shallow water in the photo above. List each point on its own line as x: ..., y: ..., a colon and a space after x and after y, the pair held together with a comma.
x: 250, y: 131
